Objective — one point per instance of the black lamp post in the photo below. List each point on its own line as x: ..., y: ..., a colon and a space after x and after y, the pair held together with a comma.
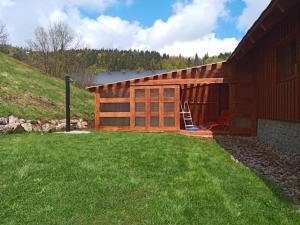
x: 68, y: 101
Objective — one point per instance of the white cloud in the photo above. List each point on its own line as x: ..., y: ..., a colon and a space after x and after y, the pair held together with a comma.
x: 106, y: 31
x: 190, y: 22
x: 251, y: 13
x: 22, y: 17
x: 207, y: 44
x: 189, y: 30
x: 6, y: 3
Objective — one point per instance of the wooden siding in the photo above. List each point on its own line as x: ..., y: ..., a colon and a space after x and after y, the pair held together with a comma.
x: 242, y: 97
x: 278, y: 100
x: 257, y: 92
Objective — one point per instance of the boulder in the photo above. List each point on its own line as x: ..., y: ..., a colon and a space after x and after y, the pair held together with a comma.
x: 2, y: 129
x: 11, y: 128
x: 37, y: 128
x: 62, y: 121
x: 13, y: 120
x: 48, y: 128
x: 54, y: 122
x: 22, y: 121
x: 16, y: 128
x: 60, y: 126
x: 3, y: 121
x: 81, y: 125
x: 27, y: 127
x: 74, y: 122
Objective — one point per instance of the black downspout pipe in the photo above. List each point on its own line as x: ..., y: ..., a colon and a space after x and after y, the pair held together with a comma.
x: 68, y: 101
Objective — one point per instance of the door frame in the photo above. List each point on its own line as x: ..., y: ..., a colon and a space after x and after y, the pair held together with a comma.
x: 161, y: 100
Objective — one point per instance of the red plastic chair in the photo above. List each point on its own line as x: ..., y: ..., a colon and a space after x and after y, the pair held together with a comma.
x: 222, y: 121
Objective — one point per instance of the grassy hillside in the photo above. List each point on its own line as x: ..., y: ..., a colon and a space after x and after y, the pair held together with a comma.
x: 30, y: 94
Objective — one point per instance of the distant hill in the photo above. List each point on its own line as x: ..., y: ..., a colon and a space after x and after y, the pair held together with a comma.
x: 28, y: 93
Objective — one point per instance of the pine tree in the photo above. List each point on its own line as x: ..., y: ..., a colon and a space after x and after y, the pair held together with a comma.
x: 197, y: 61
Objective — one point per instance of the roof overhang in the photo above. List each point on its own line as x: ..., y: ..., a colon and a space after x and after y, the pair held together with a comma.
x: 172, y: 77
x: 271, y: 16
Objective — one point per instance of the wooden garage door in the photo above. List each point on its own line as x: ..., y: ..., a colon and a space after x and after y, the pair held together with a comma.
x: 155, y: 108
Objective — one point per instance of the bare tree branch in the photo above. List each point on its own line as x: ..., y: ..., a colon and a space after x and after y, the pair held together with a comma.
x: 3, y: 34
x: 41, y: 41
x: 52, y: 43
x: 41, y: 44
x: 61, y: 36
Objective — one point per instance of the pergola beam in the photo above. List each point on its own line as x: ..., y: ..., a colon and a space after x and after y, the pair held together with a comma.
x: 184, y: 81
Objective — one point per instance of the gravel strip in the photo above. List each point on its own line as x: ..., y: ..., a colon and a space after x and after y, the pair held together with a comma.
x: 280, y: 166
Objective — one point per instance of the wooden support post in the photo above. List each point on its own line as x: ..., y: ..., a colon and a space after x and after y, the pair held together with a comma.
x: 68, y: 102
x: 97, y: 108
x: 132, y: 107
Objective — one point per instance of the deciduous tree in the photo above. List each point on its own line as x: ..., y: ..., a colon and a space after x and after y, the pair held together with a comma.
x: 3, y: 34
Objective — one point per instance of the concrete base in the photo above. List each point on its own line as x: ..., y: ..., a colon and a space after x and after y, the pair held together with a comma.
x: 283, y: 135
x: 74, y: 132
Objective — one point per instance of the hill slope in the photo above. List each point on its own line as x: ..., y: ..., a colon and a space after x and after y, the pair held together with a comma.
x: 27, y: 93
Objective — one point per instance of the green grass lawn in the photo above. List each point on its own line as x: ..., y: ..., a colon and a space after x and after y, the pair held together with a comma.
x: 27, y: 93
x: 131, y: 178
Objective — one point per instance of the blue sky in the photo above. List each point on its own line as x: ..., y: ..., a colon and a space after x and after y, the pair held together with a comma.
x: 173, y: 26
x: 146, y: 13
x: 228, y: 27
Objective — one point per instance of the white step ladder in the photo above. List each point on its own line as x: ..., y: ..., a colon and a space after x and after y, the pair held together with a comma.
x: 187, y: 116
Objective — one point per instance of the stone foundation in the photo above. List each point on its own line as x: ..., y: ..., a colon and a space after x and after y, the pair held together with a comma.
x: 283, y: 135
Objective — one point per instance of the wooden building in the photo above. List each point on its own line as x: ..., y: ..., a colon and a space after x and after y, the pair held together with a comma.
x: 153, y: 103
x: 260, y: 81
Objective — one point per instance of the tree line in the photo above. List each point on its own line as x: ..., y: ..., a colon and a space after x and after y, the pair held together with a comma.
x: 58, y: 50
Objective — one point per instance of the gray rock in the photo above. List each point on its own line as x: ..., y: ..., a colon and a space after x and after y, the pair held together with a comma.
x: 48, y: 128
x: 37, y: 128
x: 74, y: 121
x: 54, y: 122
x: 3, y: 129
x: 14, y: 124
x: 27, y: 127
x: 11, y: 128
x: 81, y: 125
x: 60, y: 127
x: 13, y: 120
x: 17, y: 128
x: 3, y: 121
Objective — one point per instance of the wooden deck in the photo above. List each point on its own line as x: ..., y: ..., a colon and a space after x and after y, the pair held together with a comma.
x: 203, y: 133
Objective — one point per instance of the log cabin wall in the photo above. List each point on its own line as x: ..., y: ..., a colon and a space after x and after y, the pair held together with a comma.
x: 278, y: 99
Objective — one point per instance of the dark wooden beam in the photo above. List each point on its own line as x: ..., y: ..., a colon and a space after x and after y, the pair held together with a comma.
x: 185, y: 81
